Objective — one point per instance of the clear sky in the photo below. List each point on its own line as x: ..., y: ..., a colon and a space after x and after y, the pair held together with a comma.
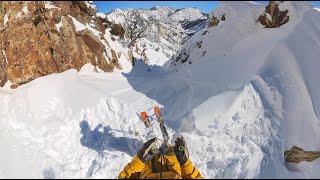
x: 106, y: 6
x: 204, y: 6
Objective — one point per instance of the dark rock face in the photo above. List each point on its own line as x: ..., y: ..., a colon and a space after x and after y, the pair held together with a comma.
x: 32, y: 44
x: 278, y: 18
x: 193, y: 25
x: 214, y: 21
x: 223, y: 18
x: 117, y: 30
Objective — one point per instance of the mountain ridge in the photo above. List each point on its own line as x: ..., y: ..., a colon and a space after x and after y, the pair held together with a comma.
x: 167, y: 29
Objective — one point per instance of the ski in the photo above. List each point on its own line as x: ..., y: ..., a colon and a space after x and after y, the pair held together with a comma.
x: 163, y: 128
x: 146, y: 120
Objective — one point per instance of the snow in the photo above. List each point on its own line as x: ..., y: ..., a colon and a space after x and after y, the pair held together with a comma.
x: 6, y: 88
x: 59, y: 24
x: 19, y: 15
x: 94, y: 31
x: 272, y: 60
x: 190, y: 14
x: 49, y: 5
x: 5, y: 19
x: 253, y: 95
x: 25, y: 9
x: 5, y: 56
x: 118, y: 18
x: 91, y: 5
x: 168, y: 29
x: 102, y: 15
x: 120, y: 49
x: 78, y: 25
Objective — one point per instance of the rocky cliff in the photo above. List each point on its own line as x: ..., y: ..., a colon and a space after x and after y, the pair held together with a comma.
x: 40, y: 38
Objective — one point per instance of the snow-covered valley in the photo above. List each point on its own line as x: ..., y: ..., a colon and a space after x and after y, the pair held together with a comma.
x: 253, y: 95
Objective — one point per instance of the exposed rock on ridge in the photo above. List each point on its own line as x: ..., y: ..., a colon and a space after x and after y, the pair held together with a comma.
x: 41, y: 38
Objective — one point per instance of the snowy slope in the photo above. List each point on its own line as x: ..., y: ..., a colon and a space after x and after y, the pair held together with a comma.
x: 168, y: 29
x: 282, y: 64
x: 275, y: 55
x: 52, y: 130
x: 238, y: 112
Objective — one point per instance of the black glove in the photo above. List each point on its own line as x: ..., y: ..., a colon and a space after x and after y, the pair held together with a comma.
x: 147, y: 151
x: 181, y: 150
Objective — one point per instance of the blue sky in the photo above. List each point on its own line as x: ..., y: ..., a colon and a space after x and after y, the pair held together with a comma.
x: 106, y: 6
x: 205, y: 6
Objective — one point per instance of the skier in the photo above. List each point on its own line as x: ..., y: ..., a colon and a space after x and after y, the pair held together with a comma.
x: 169, y: 162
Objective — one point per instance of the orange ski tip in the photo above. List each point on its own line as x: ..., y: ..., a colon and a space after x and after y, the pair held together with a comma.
x: 143, y: 114
x: 156, y: 109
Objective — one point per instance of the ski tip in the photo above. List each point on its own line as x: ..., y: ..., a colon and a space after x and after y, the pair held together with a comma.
x: 143, y: 114
x: 156, y: 109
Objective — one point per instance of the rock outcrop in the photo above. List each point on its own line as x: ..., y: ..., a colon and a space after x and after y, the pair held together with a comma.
x: 272, y: 17
x: 117, y: 30
x: 297, y: 155
x: 41, y: 38
x: 214, y: 21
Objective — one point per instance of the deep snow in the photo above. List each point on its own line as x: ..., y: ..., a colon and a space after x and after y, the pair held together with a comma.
x: 238, y: 112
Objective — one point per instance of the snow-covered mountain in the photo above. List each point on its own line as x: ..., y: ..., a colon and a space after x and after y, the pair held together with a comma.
x: 241, y: 95
x: 166, y: 30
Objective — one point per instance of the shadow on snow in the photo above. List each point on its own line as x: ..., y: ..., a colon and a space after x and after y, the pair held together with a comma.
x: 101, y: 138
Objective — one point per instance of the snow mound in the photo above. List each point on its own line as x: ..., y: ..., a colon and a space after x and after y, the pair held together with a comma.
x: 59, y: 127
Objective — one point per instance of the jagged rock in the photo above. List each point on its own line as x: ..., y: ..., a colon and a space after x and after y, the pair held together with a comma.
x: 214, y: 21
x: 144, y: 56
x: 204, y: 33
x: 199, y: 44
x: 3, y: 77
x: 297, y: 155
x: 137, y: 49
x: 131, y: 58
x: 223, y: 18
x: 183, y: 56
x: 103, y: 23
x: 114, y: 60
x: 278, y: 18
x: 117, y: 30
x: 33, y: 46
